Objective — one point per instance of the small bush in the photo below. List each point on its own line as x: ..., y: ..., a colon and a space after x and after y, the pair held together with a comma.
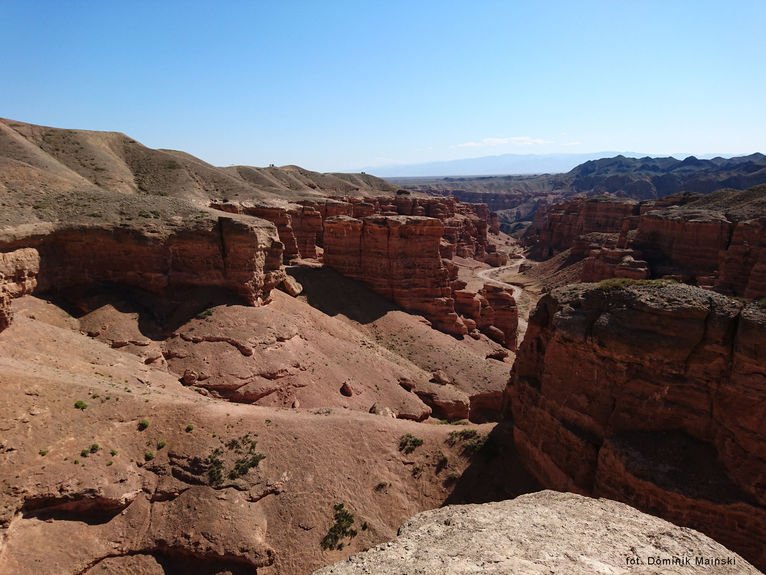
x: 470, y: 439
x: 189, y: 428
x: 81, y: 405
x: 43, y: 452
x: 84, y: 453
x: 112, y: 452
x: 214, y: 465
x: 149, y: 455
x: 341, y: 529
x: 204, y: 314
x: 409, y: 443
x: 94, y: 448
x: 143, y: 424
x: 160, y: 444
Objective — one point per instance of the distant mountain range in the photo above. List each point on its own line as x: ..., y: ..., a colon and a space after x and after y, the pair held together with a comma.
x: 501, y: 165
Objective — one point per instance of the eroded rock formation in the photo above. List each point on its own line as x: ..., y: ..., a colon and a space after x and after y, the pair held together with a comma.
x: 653, y: 394
x: 492, y: 311
x: 555, y: 228
x: 539, y: 534
x: 716, y: 241
x: 238, y: 254
x: 18, y: 277
x: 398, y: 257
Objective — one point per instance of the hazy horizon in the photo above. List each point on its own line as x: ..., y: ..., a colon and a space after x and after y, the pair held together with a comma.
x: 343, y: 86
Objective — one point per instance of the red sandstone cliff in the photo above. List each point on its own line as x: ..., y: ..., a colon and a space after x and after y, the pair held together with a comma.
x: 18, y: 277
x: 238, y: 254
x: 555, y: 228
x: 398, y: 257
x: 652, y: 394
x: 717, y: 241
x: 301, y: 225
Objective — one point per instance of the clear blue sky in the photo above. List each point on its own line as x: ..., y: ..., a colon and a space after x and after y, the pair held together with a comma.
x: 344, y: 84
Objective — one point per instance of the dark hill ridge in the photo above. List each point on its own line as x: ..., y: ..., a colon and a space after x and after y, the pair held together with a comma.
x: 517, y: 198
x: 650, y: 178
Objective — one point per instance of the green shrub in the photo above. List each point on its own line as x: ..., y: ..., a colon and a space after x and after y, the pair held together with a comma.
x: 148, y: 455
x: 94, y: 448
x: 341, y: 529
x: 409, y: 443
x: 81, y: 405
x: 189, y: 428
x: 112, y: 452
x: 160, y: 444
x: 470, y: 440
x: 143, y: 424
x: 204, y: 314
x: 43, y: 452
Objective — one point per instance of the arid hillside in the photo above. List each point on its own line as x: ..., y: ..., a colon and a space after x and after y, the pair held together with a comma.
x: 38, y: 158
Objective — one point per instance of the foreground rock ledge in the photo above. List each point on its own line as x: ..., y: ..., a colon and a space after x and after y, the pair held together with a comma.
x: 543, y: 533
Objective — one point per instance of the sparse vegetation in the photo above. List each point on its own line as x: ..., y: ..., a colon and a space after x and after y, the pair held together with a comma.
x: 215, y: 467
x: 409, y: 443
x: 42, y: 452
x: 112, y: 452
x: 160, y: 444
x: 81, y: 405
x: 204, y: 314
x: 246, y: 458
x: 189, y: 428
x: 616, y: 283
x: 249, y: 458
x: 143, y: 424
x: 148, y: 455
x: 84, y: 453
x: 469, y: 439
x: 343, y: 528
x: 380, y: 487
x: 94, y: 448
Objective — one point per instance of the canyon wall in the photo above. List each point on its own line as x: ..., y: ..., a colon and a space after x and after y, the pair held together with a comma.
x: 238, y: 254
x: 717, y: 242
x: 653, y: 394
x: 555, y: 228
x: 18, y: 277
x: 397, y: 257
x: 301, y: 225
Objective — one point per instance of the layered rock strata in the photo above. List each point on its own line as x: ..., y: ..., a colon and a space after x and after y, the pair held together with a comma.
x: 716, y: 242
x: 18, y: 277
x: 301, y: 225
x: 651, y: 393
x: 397, y: 257
x: 240, y: 255
x: 492, y: 311
x: 555, y: 228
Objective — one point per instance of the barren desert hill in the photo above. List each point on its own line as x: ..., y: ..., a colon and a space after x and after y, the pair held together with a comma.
x: 43, y: 158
